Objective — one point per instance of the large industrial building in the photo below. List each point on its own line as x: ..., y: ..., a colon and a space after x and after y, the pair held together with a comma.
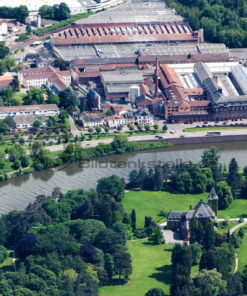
x: 132, y: 23
x: 146, y: 54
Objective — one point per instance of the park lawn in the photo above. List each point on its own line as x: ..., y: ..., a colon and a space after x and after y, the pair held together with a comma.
x: 213, y: 128
x: 150, y: 203
x: 237, y: 209
x: 224, y: 229
x: 242, y: 254
x: 151, y: 269
x: 7, y: 264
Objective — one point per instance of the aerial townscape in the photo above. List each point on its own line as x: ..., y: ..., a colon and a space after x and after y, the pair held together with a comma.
x: 123, y: 147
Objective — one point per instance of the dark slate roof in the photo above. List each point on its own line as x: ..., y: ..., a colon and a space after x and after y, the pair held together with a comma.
x: 176, y: 215
x: 204, y: 211
x: 212, y: 195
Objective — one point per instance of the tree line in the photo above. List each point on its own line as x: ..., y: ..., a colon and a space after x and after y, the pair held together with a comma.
x: 67, y: 244
x: 195, y: 178
x: 223, y: 21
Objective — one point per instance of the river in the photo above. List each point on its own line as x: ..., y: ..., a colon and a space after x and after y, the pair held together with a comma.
x: 18, y: 192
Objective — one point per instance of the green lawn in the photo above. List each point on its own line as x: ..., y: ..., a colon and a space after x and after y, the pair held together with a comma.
x: 151, y: 269
x: 224, y: 229
x: 213, y: 128
x: 7, y: 264
x: 150, y: 203
x: 237, y: 209
x: 242, y: 254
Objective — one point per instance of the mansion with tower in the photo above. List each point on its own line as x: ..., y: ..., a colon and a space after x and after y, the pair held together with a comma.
x: 180, y: 221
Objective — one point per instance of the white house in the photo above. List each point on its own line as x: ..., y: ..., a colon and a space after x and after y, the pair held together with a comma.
x: 116, y: 120
x: 144, y: 117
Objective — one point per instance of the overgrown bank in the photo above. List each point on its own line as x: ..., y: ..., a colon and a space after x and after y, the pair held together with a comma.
x: 19, y: 162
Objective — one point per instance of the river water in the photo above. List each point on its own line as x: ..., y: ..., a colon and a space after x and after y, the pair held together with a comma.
x: 18, y: 192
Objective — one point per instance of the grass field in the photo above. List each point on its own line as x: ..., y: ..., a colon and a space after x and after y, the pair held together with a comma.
x: 242, y: 254
x: 213, y: 128
x: 150, y: 203
x: 151, y: 269
x: 237, y: 209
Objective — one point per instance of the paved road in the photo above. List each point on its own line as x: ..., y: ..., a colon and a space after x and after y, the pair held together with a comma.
x: 74, y: 129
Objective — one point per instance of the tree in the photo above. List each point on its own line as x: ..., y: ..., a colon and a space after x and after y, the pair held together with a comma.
x: 3, y: 127
x: 3, y: 253
x: 234, y: 177
x: 22, y: 13
x: 25, y: 245
x: 28, y: 30
x: 147, y: 127
x: 224, y: 194
x: 234, y: 285
x: 131, y: 128
x: 156, y: 127
x: 196, y: 252
x: 10, y: 122
x: 98, y: 130
x: 37, y: 124
x: 210, y: 159
x: 209, y: 235
x: 133, y: 220
x: 34, y: 96
x: 139, y: 127
x: 109, y: 265
x: 88, y: 253
x: 46, y: 11
x: 61, y: 64
x: 165, y: 128
x: 155, y: 292
x: 90, y: 130
x: 158, y: 178
x: 67, y: 99
x: 112, y: 186
x: 106, y: 128
x: 123, y: 266
x: 120, y: 143
x: 61, y: 11
x: 157, y: 236
x: 209, y: 283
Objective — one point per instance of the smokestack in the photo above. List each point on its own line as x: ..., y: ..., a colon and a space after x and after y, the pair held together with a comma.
x: 156, y: 78
x: 216, y: 79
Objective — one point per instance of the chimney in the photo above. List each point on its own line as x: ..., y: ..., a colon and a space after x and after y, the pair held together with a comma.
x: 156, y: 78
x: 216, y: 77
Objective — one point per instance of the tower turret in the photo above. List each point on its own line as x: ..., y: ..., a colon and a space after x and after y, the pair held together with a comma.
x: 213, y: 200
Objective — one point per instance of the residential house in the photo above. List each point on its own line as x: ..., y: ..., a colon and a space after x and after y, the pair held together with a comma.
x: 5, y: 81
x: 91, y: 119
x: 180, y: 221
x: 143, y: 117
x: 116, y: 120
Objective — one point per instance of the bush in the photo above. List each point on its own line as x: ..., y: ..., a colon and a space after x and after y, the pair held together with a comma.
x: 140, y: 233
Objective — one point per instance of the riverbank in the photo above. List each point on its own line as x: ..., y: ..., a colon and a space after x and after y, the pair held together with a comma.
x: 74, y: 152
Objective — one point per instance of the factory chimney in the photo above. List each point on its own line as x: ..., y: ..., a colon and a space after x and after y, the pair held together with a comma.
x: 156, y: 78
